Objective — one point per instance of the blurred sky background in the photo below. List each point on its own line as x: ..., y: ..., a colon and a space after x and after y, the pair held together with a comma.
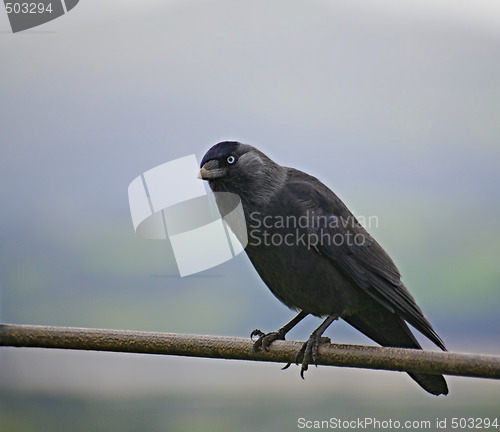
x: 394, y: 105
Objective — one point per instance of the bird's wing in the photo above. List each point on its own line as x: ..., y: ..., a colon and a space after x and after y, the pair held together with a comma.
x: 349, y: 246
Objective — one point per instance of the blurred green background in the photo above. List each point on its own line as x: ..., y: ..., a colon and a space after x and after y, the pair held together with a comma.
x: 394, y: 105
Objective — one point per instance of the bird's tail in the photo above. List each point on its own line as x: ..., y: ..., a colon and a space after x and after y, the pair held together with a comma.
x: 389, y: 330
x: 434, y: 384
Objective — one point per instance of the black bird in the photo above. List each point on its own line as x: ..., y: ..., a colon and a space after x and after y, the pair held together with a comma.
x: 315, y: 257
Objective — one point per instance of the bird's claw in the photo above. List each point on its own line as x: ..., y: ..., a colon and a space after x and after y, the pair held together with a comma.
x: 256, y: 332
x: 265, y: 339
x: 309, y: 353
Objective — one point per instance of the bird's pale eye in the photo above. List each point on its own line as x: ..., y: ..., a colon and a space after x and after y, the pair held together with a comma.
x: 231, y: 159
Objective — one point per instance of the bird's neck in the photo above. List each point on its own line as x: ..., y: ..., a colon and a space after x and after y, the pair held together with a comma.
x: 257, y: 193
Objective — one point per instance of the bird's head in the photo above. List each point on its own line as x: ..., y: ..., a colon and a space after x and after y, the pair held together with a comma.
x: 230, y: 166
x: 226, y: 160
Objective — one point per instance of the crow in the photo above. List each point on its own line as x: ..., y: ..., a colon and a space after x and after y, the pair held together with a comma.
x: 315, y: 257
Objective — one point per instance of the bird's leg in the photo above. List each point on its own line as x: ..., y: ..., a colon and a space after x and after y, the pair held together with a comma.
x: 309, y: 350
x: 265, y: 340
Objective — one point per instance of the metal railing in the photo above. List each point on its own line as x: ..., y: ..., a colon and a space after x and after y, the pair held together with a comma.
x: 237, y: 348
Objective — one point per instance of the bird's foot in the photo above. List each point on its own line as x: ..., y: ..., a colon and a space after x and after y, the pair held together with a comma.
x: 309, y: 352
x: 265, y: 339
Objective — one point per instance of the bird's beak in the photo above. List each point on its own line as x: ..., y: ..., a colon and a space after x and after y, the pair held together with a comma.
x: 211, y: 171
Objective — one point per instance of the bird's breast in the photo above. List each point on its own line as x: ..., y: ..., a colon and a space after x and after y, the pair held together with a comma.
x: 300, y: 277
